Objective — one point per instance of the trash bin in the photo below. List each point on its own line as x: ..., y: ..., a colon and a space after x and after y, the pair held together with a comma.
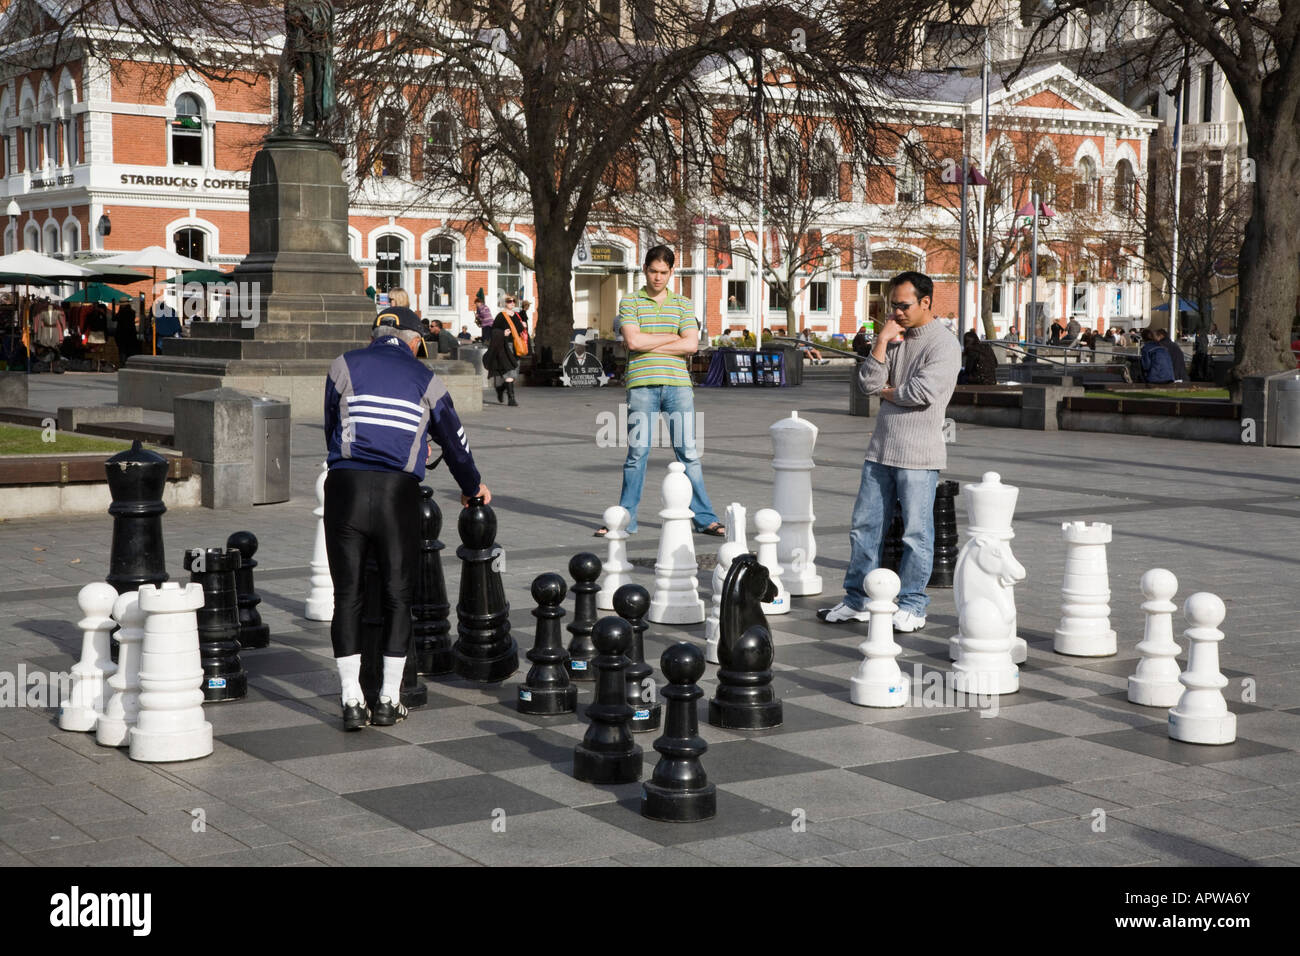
x: 270, y: 450
x: 1284, y: 410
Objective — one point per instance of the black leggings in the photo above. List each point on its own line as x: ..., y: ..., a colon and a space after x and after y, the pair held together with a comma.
x: 375, y: 513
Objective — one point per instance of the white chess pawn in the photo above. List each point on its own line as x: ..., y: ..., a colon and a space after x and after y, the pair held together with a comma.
x: 123, y: 706
x: 879, y: 681
x: 1085, y: 629
x: 676, y: 597
x: 728, y: 553
x: 170, y: 725
x: 767, y: 522
x: 85, y: 700
x: 734, y: 519
x: 985, y: 666
x: 616, y: 570
x: 1201, y: 715
x: 320, y: 599
x: 1155, y: 683
x: 793, y: 440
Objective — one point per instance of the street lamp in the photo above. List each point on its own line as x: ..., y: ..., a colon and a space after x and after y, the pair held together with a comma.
x: 1035, y: 208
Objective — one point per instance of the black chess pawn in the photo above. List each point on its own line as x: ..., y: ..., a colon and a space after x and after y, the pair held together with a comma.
x: 631, y: 602
x: 744, y: 699
x: 607, y: 753
x: 218, y: 623
x: 547, y: 689
x: 584, y: 568
x: 679, y: 790
x: 252, y: 631
x: 945, y: 534
x: 484, y: 650
x: 413, y: 692
x: 432, y: 629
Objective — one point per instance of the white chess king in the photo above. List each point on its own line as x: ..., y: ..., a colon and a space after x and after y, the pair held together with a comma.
x: 793, y: 440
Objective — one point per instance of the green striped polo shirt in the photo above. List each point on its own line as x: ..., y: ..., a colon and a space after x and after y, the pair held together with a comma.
x: 674, y: 315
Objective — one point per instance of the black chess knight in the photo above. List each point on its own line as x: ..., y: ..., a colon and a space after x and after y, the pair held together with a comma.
x: 744, y: 698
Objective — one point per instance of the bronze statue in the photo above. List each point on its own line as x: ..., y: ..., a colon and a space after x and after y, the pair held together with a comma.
x: 309, y: 52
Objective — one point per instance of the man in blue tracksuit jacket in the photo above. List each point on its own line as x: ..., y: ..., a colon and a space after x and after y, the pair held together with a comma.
x: 383, y: 410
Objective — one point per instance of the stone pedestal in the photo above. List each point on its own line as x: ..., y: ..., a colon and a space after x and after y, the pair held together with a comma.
x: 13, y: 389
x: 215, y: 428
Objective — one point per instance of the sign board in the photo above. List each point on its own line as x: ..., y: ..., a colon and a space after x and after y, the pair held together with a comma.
x: 581, y: 371
x: 603, y: 252
x: 754, y: 368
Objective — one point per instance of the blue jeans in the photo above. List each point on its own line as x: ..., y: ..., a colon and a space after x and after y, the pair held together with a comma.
x: 881, y: 486
x: 643, y: 407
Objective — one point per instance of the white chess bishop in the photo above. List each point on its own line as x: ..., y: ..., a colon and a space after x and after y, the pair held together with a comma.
x: 987, y: 570
x: 793, y: 440
x: 676, y: 597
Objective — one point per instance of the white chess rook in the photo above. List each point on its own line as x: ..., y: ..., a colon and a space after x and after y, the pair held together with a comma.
x: 85, y: 700
x: 985, y: 566
x: 793, y: 440
x: 879, y: 681
x: 985, y: 666
x: 729, y: 551
x: 320, y: 599
x: 1085, y: 629
x: 1155, y: 683
x: 1201, y: 715
x: 677, y: 592
x: 122, y: 709
x: 616, y: 570
x: 734, y: 520
x: 171, y: 724
x: 767, y: 522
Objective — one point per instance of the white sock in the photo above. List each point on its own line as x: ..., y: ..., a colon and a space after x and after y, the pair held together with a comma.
x: 350, y: 677
x: 393, y: 667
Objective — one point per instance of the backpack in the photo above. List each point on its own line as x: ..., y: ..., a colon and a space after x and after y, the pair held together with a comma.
x: 520, y: 337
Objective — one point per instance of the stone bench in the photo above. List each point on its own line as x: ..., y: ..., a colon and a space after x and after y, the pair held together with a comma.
x: 37, y: 485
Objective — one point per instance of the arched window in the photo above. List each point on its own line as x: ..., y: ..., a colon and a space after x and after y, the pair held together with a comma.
x: 51, y: 239
x: 187, y: 131
x: 1124, y: 185
x: 611, y: 12
x: 741, y: 160
x: 391, y: 142
x: 439, y: 144
x: 825, y: 181
x: 510, y: 273
x: 32, y: 237
x: 191, y: 242
x: 442, y: 272
x: 1042, y: 176
x: 71, y: 238
x: 784, y: 168
x: 909, y: 180
x: 51, y: 146
x: 1085, y: 186
x: 388, y: 270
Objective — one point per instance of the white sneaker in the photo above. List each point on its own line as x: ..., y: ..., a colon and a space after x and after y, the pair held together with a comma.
x: 905, y: 622
x: 842, y: 612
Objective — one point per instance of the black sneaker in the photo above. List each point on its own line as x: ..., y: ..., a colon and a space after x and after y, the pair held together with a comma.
x: 387, y: 712
x: 355, y: 714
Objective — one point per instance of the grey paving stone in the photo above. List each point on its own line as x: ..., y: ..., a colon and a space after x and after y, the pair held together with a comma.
x: 427, y: 854
x: 372, y: 769
x: 1016, y: 807
x: 831, y: 794
x: 278, y: 854
x: 733, y: 851
x: 736, y: 816
x: 956, y: 776
x: 855, y: 745
x: 441, y: 803
x: 885, y: 856
x: 1156, y: 742
x: 124, y: 851
x: 1072, y: 759
x: 544, y: 838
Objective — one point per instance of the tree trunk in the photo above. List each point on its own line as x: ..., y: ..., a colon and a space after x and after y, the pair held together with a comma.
x: 1270, y: 254
x: 986, y: 310
x: 554, y: 261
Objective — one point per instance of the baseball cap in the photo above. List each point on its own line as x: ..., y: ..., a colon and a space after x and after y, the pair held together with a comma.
x: 400, y: 317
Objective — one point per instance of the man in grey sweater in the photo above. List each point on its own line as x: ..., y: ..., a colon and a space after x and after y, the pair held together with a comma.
x: 915, y: 377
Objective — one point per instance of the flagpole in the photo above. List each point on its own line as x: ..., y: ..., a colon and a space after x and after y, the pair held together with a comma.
x: 979, y: 199
x: 961, y: 255
x: 1178, y: 191
x: 762, y: 244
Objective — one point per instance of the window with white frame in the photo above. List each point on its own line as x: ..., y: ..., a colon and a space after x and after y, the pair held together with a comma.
x: 32, y: 237
x: 1079, y: 300
x: 442, y: 272
x: 909, y: 180
x: 819, y: 297
x: 51, y: 239
x: 776, y: 302
x: 388, y: 268
x: 510, y: 272
x: 439, y: 144
x: 1124, y: 186
x: 51, y: 146
x: 191, y: 242
x: 737, y: 295
x: 71, y: 238
x: 1085, y: 186
x: 824, y: 182
x: 392, y: 142
x: 187, y: 131
x: 71, y: 147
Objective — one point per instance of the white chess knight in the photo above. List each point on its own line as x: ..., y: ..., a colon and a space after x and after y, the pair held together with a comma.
x: 320, y: 599
x: 1155, y: 683
x: 616, y: 570
x: 985, y: 666
x: 985, y: 566
x: 734, y: 519
x: 1085, y: 629
x: 85, y: 702
x: 170, y: 724
x: 728, y: 553
x: 676, y: 597
x: 767, y: 522
x: 1201, y: 715
x: 793, y: 440
x: 879, y: 681
x: 122, y: 708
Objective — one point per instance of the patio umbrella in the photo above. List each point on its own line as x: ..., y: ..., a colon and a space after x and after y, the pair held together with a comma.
x: 118, y: 275
x: 153, y: 258
x: 203, y: 277
x: 32, y: 268
x: 97, y: 292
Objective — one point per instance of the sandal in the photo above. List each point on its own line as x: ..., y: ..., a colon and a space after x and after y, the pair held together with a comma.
x: 601, y: 532
x: 715, y: 530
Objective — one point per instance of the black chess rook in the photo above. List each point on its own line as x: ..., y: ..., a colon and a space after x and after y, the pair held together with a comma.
x: 607, y: 753
x: 547, y: 689
x: 744, y: 699
x: 484, y: 650
x: 431, y: 609
x: 253, y: 632
x: 218, y: 623
x: 945, y: 534
x: 584, y: 568
x: 679, y: 790
x: 631, y: 601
